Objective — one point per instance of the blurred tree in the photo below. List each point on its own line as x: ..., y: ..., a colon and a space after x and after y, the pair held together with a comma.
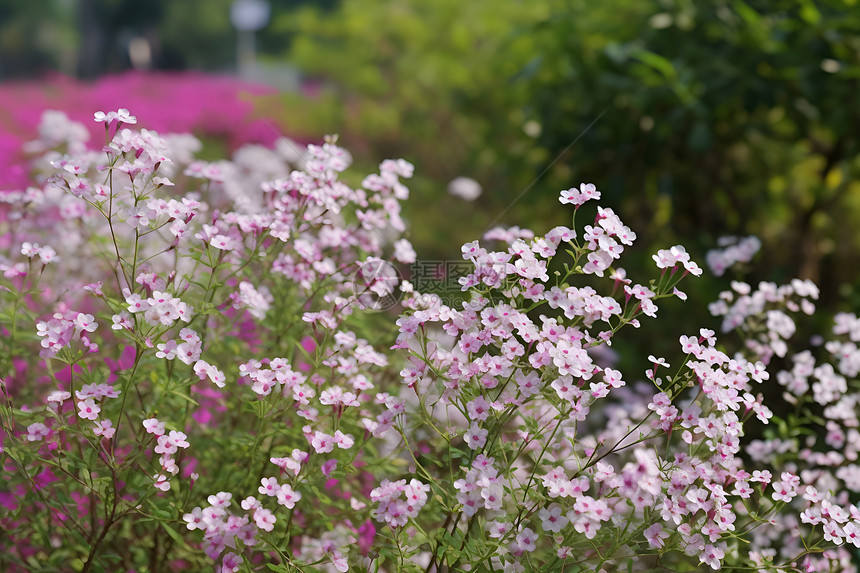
x: 107, y: 26
x: 88, y: 38
x: 709, y: 117
x: 696, y: 118
x: 198, y: 35
x: 435, y: 82
x: 33, y: 38
x: 742, y: 116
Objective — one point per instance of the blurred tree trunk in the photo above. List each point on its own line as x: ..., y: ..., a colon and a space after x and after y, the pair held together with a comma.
x: 93, y: 40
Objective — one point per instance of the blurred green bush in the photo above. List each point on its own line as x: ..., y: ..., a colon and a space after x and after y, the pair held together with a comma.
x: 695, y: 118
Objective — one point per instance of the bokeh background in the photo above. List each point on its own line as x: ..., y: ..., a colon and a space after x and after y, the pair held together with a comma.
x: 696, y: 119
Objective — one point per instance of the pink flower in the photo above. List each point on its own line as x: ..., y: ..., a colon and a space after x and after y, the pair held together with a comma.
x: 343, y: 441
x: 264, y: 519
x: 655, y: 535
x: 270, y: 486
x: 497, y: 530
x: 578, y: 197
x: 220, y: 499
x: 105, y: 429
x: 161, y: 482
x: 525, y: 541
x: 178, y: 438
x: 711, y: 556
x: 86, y: 322
x: 153, y: 426
x: 287, y: 496
x: 465, y: 188
x: 552, y: 519
x: 476, y: 437
x: 256, y: 300
x: 742, y: 489
x: 292, y: 463
x: 230, y: 563
x: 96, y: 391
x: 205, y: 370
x: 222, y: 243
x: 403, y: 252
x: 322, y: 442
x: 479, y: 409
x: 250, y: 503
x: 339, y: 561
x: 783, y: 491
x: 89, y: 410
x: 194, y: 520
x: 37, y: 431
x: 29, y: 250
x: 122, y: 116
x: 170, y: 443
x: 328, y: 467
x: 58, y: 397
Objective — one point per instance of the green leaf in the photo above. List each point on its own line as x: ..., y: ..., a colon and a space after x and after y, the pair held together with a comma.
x: 184, y: 397
x: 743, y: 9
x: 259, y: 408
x: 452, y: 555
x: 174, y: 534
x: 809, y: 12
x: 657, y: 62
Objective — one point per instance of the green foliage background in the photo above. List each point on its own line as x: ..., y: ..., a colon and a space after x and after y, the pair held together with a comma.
x: 711, y: 117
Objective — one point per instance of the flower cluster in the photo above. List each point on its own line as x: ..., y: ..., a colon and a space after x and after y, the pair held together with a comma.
x: 762, y: 313
x: 399, y: 501
x: 167, y: 445
x: 496, y: 432
x: 734, y: 250
x: 224, y: 530
x: 160, y: 308
x: 58, y: 332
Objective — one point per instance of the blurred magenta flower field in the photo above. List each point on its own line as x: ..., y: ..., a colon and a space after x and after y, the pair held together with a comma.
x: 220, y: 107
